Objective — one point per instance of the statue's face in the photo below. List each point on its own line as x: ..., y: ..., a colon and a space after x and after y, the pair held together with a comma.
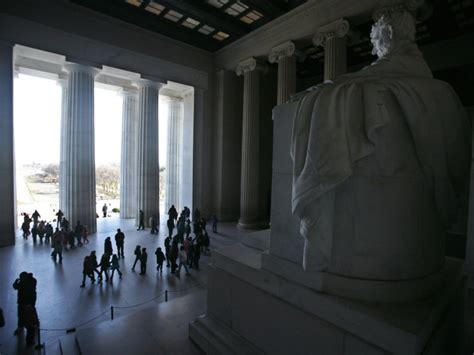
x: 381, y: 37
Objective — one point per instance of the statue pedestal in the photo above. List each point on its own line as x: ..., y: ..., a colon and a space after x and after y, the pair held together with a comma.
x: 253, y: 311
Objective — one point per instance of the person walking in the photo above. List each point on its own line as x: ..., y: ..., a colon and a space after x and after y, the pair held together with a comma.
x: 85, y: 235
x: 172, y: 213
x: 183, y: 261
x: 141, y: 220
x: 160, y: 257
x: 104, y: 210
x: 143, y: 260
x: 104, y: 267
x: 78, y: 231
x: 94, y: 263
x: 119, y: 242
x: 138, y: 255
x: 87, y: 271
x: 31, y: 322
x: 167, y: 250
x: 35, y: 217
x: 115, y: 266
x: 154, y: 224
x: 108, y: 246
x: 57, y: 245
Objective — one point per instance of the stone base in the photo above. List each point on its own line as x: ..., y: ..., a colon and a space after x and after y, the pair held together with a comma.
x: 252, y: 225
x: 359, y: 289
x: 254, y: 309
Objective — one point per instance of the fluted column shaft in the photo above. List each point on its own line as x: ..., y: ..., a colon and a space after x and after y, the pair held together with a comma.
x: 7, y: 160
x: 63, y: 82
x: 174, y: 153
x: 333, y: 37
x: 80, y: 183
x: 148, y: 172
x: 128, y: 162
x: 284, y: 55
x: 335, y: 57
x: 249, y: 185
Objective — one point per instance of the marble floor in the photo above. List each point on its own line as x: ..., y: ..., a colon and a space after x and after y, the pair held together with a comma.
x: 62, y: 304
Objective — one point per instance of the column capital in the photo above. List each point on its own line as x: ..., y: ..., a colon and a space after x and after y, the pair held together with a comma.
x: 62, y: 79
x: 149, y: 83
x: 172, y: 98
x: 336, y: 29
x: 286, y: 49
x: 80, y: 68
x: 249, y: 65
x: 128, y: 91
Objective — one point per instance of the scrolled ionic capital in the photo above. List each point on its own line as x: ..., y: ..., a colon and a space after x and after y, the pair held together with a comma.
x: 286, y: 49
x: 249, y: 65
x: 336, y: 29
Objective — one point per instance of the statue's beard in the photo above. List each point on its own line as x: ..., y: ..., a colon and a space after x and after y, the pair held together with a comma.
x: 381, y: 48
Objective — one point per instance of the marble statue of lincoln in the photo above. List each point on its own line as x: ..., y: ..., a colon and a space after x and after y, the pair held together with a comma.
x: 381, y: 158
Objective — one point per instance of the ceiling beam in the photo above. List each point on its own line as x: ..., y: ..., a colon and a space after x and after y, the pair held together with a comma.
x: 267, y: 7
x: 209, y: 15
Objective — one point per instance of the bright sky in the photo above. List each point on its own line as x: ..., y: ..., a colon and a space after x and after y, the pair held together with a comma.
x: 37, y: 112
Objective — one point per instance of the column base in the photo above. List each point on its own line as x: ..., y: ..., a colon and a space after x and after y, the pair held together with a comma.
x: 252, y: 224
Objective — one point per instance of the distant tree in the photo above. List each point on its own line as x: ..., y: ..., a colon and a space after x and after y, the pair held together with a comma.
x: 50, y: 173
x: 107, y: 179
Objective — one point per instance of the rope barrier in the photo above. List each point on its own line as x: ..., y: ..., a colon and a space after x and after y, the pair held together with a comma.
x: 111, y: 310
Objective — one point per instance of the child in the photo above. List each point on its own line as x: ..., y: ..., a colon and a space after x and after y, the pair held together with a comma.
x: 85, y: 235
x: 115, y: 266
x: 160, y: 257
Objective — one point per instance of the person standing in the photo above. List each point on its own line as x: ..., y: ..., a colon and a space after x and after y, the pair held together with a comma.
x: 138, y: 255
x: 60, y: 216
x: 31, y: 322
x: 115, y: 266
x: 183, y: 260
x: 104, y: 210
x: 35, y: 217
x: 170, y: 225
x: 172, y: 213
x: 214, y: 223
x: 57, y: 244
x: 141, y: 220
x: 160, y: 257
x: 20, y: 286
x: 143, y: 260
x: 108, y: 246
x: 78, y: 230
x: 119, y: 242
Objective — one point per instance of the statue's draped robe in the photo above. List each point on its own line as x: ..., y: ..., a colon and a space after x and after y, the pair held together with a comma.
x: 337, y: 124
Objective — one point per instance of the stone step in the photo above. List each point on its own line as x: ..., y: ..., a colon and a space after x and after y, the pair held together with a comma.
x: 213, y: 338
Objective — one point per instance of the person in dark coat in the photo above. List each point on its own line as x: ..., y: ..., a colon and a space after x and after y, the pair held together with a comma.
x: 143, y: 260
x: 115, y: 267
x: 138, y: 255
x: 141, y: 220
x: 87, y: 271
x: 94, y: 263
x: 104, y: 267
x: 167, y: 250
x: 173, y: 255
x: 172, y: 213
x: 108, y: 246
x: 60, y: 216
x: 170, y: 225
x: 160, y: 257
x: 78, y: 230
x: 119, y: 242
x: 31, y: 322
x: 26, y: 287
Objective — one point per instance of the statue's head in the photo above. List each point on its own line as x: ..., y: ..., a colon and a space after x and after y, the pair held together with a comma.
x: 392, y: 32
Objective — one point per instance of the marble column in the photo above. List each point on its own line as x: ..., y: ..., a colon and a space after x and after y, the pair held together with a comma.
x: 333, y: 38
x: 284, y: 55
x: 128, y: 162
x: 80, y: 184
x: 249, y: 182
x: 7, y: 158
x: 63, y: 83
x: 148, y: 171
x: 174, y: 153
x: 186, y: 194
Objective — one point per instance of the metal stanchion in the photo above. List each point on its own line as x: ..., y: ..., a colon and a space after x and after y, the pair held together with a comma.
x: 166, y: 295
x: 39, y: 345
x: 112, y: 312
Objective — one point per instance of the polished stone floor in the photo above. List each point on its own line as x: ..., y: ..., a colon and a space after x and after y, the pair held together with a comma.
x: 62, y: 304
